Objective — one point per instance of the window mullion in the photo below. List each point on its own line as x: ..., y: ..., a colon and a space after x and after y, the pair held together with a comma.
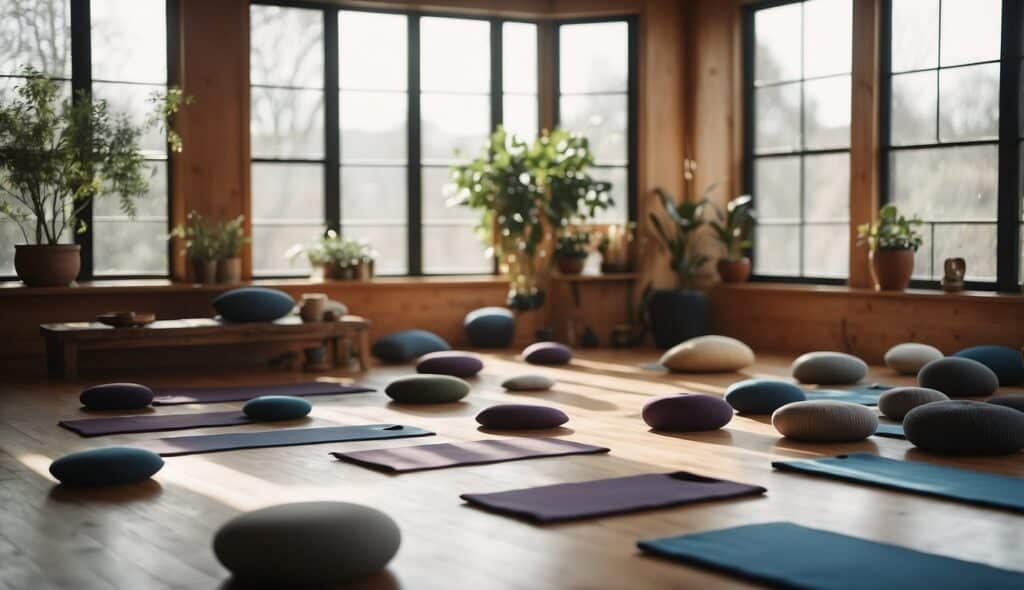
x: 1009, y: 199
x: 81, y: 81
x: 332, y: 118
x: 415, y: 172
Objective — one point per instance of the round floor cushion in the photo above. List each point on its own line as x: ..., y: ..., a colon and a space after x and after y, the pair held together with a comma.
x: 762, y: 396
x: 687, y: 412
x: 116, y: 396
x: 521, y: 417
x: 825, y: 421
x: 829, y: 368
x: 528, y: 383
x: 399, y: 347
x: 253, y: 304
x: 276, y: 407
x: 896, y: 402
x: 1005, y: 362
x: 450, y: 362
x: 908, y: 358
x: 958, y: 377
x: 967, y: 427
x: 307, y: 544
x: 547, y: 353
x: 1012, y: 400
x: 109, y: 466
x: 427, y: 389
x: 708, y: 354
x: 490, y: 327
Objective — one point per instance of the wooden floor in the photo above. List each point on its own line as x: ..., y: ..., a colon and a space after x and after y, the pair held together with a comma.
x: 159, y: 534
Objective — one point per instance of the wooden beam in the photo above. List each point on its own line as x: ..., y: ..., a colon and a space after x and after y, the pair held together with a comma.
x: 864, y: 132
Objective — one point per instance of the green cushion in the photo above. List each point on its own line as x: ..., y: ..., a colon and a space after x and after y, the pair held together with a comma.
x: 277, y: 407
x: 106, y: 467
x: 427, y: 389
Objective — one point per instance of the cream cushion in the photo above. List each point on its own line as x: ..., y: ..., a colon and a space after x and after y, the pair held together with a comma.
x: 708, y: 354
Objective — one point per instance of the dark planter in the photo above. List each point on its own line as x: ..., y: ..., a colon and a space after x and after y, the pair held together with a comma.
x: 677, y: 315
x: 229, y: 270
x: 892, y: 269
x: 570, y: 265
x: 47, y: 265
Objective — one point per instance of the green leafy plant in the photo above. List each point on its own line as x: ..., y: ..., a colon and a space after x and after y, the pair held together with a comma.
x: 891, y: 231
x: 334, y: 250
x: 573, y: 245
x: 211, y: 240
x: 675, y: 228
x: 733, y: 226
x: 230, y: 237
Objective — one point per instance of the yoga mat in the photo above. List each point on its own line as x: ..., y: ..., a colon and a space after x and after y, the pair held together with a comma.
x: 865, y: 395
x: 209, y: 395
x: 212, y: 443
x: 481, y: 452
x: 617, y: 495
x: 890, y: 431
x: 787, y: 555
x: 973, y: 487
x: 126, y: 424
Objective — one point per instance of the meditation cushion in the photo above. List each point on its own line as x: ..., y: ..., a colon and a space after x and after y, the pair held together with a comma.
x: 822, y: 420
x: 958, y: 377
x: 962, y: 426
x: 528, y: 383
x: 762, y: 396
x: 547, y: 353
x: 687, y: 412
x: 896, y: 402
x: 909, y: 357
x: 116, y: 396
x: 829, y: 368
x: 276, y: 407
x: 307, y: 544
x: 399, y: 347
x: 521, y: 416
x: 427, y: 389
x: 708, y: 354
x: 253, y: 304
x: 1013, y: 400
x: 108, y: 466
x: 450, y: 362
x: 1004, y: 361
x: 490, y: 327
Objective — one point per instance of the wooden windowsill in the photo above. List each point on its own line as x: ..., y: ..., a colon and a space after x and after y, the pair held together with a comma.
x: 842, y: 290
x: 584, y: 278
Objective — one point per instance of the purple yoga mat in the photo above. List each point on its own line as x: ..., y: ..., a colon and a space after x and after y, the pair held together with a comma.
x: 286, y: 437
x: 128, y: 424
x: 439, y: 456
x: 209, y: 395
x: 601, y: 497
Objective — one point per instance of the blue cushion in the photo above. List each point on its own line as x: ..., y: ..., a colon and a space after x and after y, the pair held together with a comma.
x: 276, y: 407
x: 116, y: 396
x: 762, y: 396
x: 399, y: 347
x: 490, y: 327
x: 1004, y: 361
x: 106, y: 467
x: 686, y: 412
x: 253, y: 304
x: 547, y: 353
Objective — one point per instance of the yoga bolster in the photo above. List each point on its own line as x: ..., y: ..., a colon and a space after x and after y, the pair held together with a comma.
x: 253, y: 304
x: 116, y: 396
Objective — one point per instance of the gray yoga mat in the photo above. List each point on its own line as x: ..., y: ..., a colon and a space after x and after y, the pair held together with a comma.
x: 481, y: 452
x: 972, y: 487
x: 865, y: 395
x: 787, y: 555
x: 128, y: 424
x: 603, y: 497
x: 212, y: 443
x: 237, y: 393
x: 890, y: 431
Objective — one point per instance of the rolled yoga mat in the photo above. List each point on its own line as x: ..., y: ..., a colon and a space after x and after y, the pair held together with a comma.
x: 890, y: 431
x: 787, y: 555
x: 481, y: 452
x: 865, y: 395
x: 212, y: 443
x: 210, y: 395
x: 603, y: 497
x: 128, y: 424
x: 972, y: 487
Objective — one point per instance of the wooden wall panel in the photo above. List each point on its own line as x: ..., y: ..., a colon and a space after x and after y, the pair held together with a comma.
x: 864, y: 132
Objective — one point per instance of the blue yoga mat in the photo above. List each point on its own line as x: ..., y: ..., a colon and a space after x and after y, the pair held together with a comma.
x: 890, y: 431
x: 973, y: 487
x: 787, y: 555
x: 865, y: 395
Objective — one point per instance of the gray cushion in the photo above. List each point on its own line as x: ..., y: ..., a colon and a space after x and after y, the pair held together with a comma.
x: 762, y: 396
x: 450, y: 362
x: 687, y: 412
x: 277, y: 407
x: 405, y: 345
x: 967, y: 427
x: 528, y: 383
x: 116, y: 396
x: 307, y: 543
x: 253, y: 304
x: 108, y: 466
x: 829, y: 368
x: 547, y: 353
x: 1012, y: 400
x: 958, y: 377
x: 427, y: 389
x: 490, y: 327
x: 896, y: 402
x: 825, y: 421
x: 708, y: 354
x: 521, y: 417
x: 1004, y: 361
x: 908, y: 358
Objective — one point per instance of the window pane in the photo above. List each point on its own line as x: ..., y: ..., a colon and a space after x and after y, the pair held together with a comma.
x: 826, y: 250
x: 286, y: 46
x: 454, y: 122
x: 435, y: 196
x: 384, y: 67
x: 9, y: 236
x: 594, y: 57
x: 603, y: 120
x: 129, y: 40
x: 374, y: 127
x: 827, y: 113
x: 828, y: 37
x: 455, y: 55
x: 270, y: 244
x: 914, y: 102
x: 915, y: 34
x: 454, y: 249
x: 287, y: 123
x: 970, y: 31
x: 37, y: 34
x: 520, y: 116
x: 132, y: 100
x: 130, y: 247
x: 777, y: 118
x: 827, y: 188
x: 390, y: 242
x: 619, y: 177
x: 777, y: 43
x: 519, y: 58
x: 954, y: 183
x: 777, y: 249
x: 970, y: 103
x: 976, y: 244
x: 287, y: 192
x: 153, y: 204
x: 777, y: 188
x: 373, y: 194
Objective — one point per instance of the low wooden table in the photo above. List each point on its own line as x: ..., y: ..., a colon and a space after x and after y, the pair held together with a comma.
x: 65, y: 340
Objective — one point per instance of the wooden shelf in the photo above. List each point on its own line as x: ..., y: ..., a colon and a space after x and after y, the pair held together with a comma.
x: 840, y: 290
x: 586, y: 278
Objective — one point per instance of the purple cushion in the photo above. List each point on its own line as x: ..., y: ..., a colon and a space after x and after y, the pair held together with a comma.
x: 547, y: 353
x: 521, y: 416
x: 687, y: 412
x: 116, y: 396
x: 450, y: 362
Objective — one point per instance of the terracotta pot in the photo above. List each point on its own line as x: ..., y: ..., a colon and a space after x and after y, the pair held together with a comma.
x: 312, y: 307
x: 891, y: 269
x: 229, y: 270
x: 571, y: 265
x: 47, y: 265
x: 204, y: 271
x: 734, y: 271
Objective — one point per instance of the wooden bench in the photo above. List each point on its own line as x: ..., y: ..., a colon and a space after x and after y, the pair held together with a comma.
x: 65, y: 340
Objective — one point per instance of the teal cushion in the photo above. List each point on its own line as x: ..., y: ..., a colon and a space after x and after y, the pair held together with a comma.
x: 490, y: 327
x: 399, y: 347
x: 762, y: 396
x: 108, y: 466
x: 116, y: 396
x: 427, y: 389
x: 1004, y: 361
x: 276, y: 407
x: 253, y: 304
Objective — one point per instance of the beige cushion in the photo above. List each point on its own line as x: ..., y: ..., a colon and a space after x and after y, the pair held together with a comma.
x: 825, y: 421
x: 708, y: 354
x: 896, y: 402
x: 909, y: 357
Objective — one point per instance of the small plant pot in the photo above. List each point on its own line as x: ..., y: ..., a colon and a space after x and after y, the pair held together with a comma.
x: 734, y: 271
x: 364, y: 270
x: 47, y: 265
x: 229, y: 270
x: 891, y: 269
x: 312, y: 307
x: 571, y: 265
x: 204, y: 271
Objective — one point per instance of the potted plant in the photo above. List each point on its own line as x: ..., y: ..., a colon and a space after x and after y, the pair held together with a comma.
x: 732, y: 228
x: 56, y: 157
x: 201, y: 247
x: 338, y: 257
x: 571, y: 251
x: 892, y: 240
x: 615, y: 246
x: 230, y: 239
